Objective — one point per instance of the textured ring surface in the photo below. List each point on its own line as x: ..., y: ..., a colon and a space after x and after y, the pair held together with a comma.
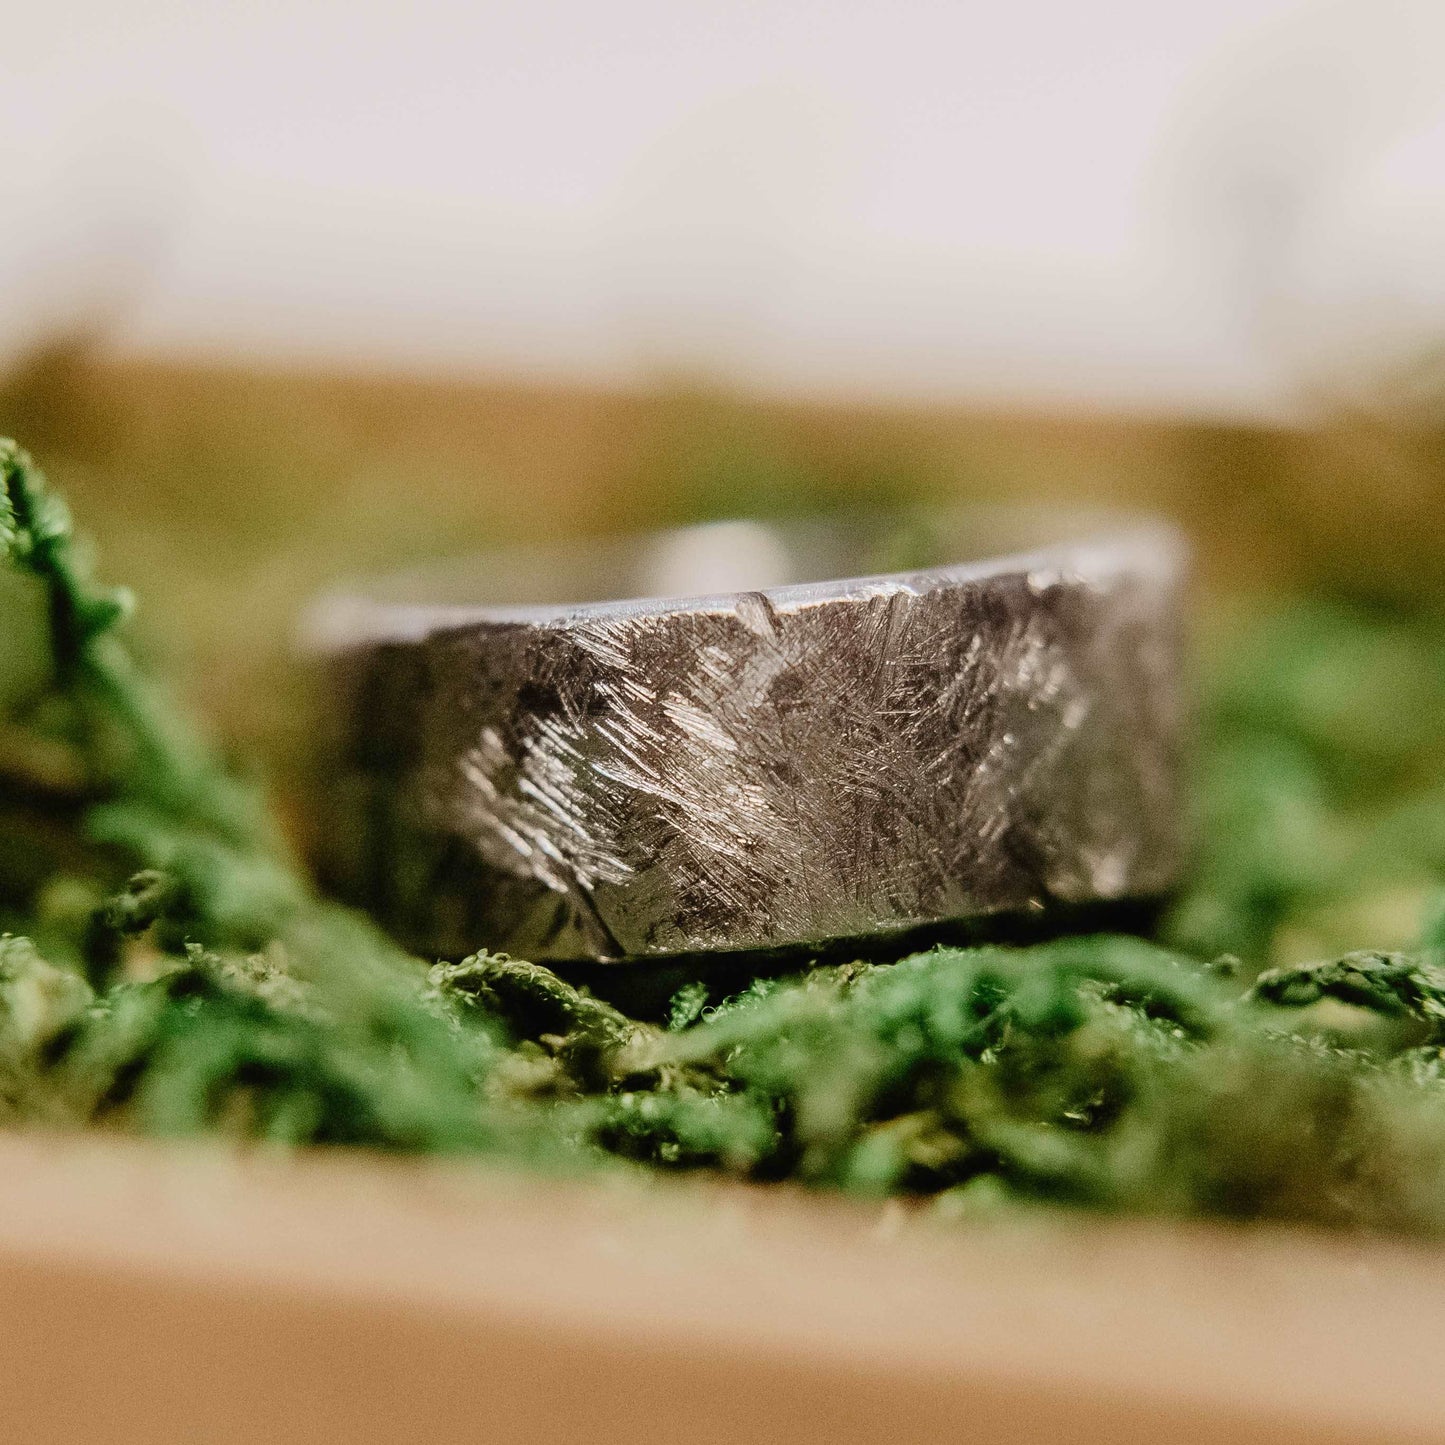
x: 748, y: 761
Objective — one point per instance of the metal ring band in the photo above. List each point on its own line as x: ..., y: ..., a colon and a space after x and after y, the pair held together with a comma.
x: 769, y: 762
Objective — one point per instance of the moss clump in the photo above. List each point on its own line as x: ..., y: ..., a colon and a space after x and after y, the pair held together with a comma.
x: 216, y: 992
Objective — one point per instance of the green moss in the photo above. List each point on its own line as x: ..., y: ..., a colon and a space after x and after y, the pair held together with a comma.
x: 1210, y: 1071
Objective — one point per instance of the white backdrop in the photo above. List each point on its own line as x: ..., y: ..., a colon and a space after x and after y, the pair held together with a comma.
x: 1198, y: 203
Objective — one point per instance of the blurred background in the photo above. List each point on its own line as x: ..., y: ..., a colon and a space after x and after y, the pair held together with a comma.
x: 290, y: 291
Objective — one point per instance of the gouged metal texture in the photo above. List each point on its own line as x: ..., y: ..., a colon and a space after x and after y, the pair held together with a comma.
x: 766, y: 768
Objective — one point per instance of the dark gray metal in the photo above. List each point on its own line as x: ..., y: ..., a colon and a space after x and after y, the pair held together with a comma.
x: 780, y: 762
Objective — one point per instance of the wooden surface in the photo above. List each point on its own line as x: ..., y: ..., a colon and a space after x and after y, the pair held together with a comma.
x: 155, y: 1294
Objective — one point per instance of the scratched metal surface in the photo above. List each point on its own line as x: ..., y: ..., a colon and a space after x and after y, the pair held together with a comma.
x: 782, y: 765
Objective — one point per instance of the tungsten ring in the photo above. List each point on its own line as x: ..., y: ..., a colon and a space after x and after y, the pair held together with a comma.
x: 750, y: 736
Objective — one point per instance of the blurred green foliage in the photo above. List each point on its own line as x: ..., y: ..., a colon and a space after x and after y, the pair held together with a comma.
x: 1214, y: 1070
